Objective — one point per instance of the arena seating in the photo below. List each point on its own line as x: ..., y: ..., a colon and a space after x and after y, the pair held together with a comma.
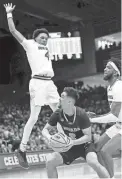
x: 14, y: 116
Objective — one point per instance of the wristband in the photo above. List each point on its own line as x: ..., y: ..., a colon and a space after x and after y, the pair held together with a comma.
x: 9, y: 15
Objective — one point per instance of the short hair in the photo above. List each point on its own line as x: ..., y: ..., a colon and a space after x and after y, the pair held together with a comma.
x: 117, y: 62
x: 71, y: 92
x: 40, y: 31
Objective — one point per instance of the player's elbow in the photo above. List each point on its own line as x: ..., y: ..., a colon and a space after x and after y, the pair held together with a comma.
x: 13, y: 31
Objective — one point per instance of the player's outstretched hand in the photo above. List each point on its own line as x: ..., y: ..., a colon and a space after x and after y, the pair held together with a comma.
x: 91, y: 114
x: 9, y: 7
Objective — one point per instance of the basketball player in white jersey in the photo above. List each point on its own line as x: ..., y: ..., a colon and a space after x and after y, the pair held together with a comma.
x: 110, y: 141
x: 41, y: 87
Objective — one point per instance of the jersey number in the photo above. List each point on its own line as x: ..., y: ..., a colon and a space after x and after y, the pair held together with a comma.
x: 47, y: 55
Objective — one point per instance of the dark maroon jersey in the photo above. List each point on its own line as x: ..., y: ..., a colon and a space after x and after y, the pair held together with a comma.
x: 72, y: 125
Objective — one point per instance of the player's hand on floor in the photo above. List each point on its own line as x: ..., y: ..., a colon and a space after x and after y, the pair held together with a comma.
x: 9, y: 7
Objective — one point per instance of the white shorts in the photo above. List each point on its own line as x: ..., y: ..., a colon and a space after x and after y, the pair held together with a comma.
x: 114, y: 130
x: 43, y: 92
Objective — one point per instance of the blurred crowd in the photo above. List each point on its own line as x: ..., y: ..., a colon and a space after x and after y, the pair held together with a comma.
x: 103, y: 54
x: 113, y: 46
x: 13, y: 117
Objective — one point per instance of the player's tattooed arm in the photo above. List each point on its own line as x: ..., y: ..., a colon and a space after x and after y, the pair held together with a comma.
x: 9, y: 9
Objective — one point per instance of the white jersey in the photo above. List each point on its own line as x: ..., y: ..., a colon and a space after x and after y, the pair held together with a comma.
x: 115, y: 95
x: 38, y: 58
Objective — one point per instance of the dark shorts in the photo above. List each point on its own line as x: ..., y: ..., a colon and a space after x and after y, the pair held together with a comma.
x: 77, y: 151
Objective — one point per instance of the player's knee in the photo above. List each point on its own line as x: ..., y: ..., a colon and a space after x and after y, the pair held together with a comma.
x: 105, y: 150
x: 91, y: 159
x: 97, y: 146
x: 53, y: 160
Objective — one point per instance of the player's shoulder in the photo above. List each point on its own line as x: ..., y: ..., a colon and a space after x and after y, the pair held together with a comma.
x: 31, y: 41
x: 80, y: 111
x: 118, y: 84
x: 82, y: 117
x: 28, y: 41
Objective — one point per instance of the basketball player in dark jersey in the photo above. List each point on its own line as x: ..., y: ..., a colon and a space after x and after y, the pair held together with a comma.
x: 75, y: 124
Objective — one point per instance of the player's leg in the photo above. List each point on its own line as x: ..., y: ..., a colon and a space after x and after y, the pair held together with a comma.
x: 53, y: 96
x: 101, y: 142
x: 98, y: 146
x: 37, y: 99
x: 35, y: 110
x: 60, y: 158
x: 108, y: 150
x: 53, y: 161
x: 110, y: 133
x: 92, y: 160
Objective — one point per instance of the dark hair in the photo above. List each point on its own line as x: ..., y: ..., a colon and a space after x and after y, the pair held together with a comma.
x: 72, y: 92
x: 40, y: 31
x: 117, y: 62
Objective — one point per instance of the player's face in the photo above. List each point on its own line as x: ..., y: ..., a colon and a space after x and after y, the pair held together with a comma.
x: 108, y: 72
x: 65, y: 100
x: 42, y: 39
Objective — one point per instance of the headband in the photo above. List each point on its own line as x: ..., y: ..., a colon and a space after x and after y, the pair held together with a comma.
x: 115, y: 67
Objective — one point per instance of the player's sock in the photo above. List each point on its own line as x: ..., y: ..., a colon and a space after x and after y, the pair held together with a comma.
x: 23, y: 147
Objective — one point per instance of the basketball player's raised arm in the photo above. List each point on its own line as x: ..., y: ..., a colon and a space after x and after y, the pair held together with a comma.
x: 51, y: 124
x: 9, y: 9
x: 116, y: 109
